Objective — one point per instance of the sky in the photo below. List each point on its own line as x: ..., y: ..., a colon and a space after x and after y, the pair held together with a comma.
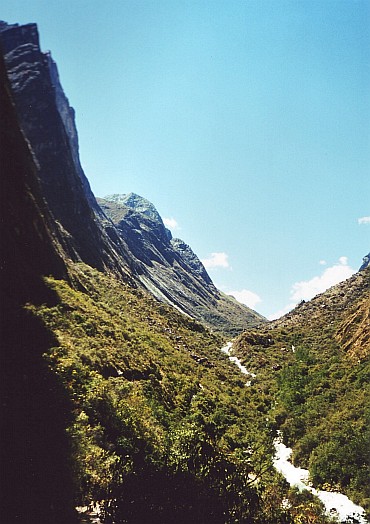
x: 245, y: 122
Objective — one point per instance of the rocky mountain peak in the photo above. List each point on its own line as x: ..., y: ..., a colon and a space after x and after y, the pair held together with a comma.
x: 138, y: 203
x: 169, y: 268
x: 142, y: 206
x: 18, y: 35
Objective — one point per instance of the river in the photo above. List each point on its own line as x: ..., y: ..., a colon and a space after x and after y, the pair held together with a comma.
x: 335, y: 503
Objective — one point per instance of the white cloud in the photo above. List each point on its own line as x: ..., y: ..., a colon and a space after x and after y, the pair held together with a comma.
x: 216, y: 260
x: 307, y: 289
x: 171, y: 223
x: 322, y: 262
x: 282, y: 312
x: 246, y: 297
x: 364, y: 220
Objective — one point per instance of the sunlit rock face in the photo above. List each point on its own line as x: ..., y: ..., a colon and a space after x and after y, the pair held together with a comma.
x: 171, y: 271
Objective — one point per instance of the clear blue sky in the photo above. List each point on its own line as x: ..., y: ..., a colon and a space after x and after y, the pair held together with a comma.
x: 245, y: 121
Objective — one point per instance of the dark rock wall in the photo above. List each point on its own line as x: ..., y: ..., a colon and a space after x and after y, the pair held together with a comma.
x: 48, y: 123
x: 36, y: 481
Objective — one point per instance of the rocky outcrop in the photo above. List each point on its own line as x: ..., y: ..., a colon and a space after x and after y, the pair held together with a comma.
x: 170, y: 270
x: 365, y: 262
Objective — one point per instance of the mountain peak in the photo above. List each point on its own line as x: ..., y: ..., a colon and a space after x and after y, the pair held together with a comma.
x: 137, y: 203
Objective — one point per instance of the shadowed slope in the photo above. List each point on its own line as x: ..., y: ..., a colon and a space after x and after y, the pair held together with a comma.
x: 36, y: 484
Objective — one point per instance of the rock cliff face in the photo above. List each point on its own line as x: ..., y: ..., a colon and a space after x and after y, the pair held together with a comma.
x: 133, y: 242
x: 365, y: 262
x: 170, y: 270
x: 36, y: 484
x: 48, y: 124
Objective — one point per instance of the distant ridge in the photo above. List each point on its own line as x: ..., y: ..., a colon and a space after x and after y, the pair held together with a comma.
x: 171, y: 271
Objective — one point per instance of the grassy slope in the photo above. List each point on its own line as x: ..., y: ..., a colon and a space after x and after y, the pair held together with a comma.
x: 319, y: 359
x: 163, y: 426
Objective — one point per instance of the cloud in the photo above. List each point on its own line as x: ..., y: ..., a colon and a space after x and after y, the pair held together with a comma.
x: 322, y: 262
x: 364, y: 220
x: 282, y: 311
x: 216, y: 260
x: 307, y: 289
x: 171, y: 223
x: 246, y: 297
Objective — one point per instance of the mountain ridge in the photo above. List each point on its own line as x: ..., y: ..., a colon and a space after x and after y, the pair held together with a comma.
x: 173, y: 272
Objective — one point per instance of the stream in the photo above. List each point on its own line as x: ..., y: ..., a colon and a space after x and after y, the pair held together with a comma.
x: 336, y: 504
x: 228, y: 350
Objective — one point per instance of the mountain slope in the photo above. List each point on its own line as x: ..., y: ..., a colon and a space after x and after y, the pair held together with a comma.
x: 170, y: 270
x: 319, y: 355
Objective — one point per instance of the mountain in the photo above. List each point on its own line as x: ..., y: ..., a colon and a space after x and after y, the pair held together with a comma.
x: 170, y: 270
x: 47, y: 121
x: 136, y: 246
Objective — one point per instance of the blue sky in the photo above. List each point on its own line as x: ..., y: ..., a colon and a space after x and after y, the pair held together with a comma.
x: 246, y: 122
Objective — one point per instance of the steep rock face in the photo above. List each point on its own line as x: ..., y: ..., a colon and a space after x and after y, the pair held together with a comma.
x: 353, y: 333
x: 365, y: 262
x: 36, y: 484
x: 48, y: 123
x: 170, y: 269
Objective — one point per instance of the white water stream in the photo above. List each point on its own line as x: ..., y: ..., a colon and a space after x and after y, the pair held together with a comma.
x: 228, y: 350
x: 336, y: 504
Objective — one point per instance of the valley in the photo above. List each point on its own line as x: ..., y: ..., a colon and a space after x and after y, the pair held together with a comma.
x: 130, y: 383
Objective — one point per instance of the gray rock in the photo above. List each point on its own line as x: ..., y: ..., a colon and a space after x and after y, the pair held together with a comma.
x: 365, y: 262
x: 170, y: 270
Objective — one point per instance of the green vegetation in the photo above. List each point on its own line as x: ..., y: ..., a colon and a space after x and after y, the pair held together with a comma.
x: 319, y: 377
x: 324, y: 402
x: 163, y: 426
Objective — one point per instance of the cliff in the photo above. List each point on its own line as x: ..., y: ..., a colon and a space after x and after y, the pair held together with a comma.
x: 47, y: 121
x: 36, y: 480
